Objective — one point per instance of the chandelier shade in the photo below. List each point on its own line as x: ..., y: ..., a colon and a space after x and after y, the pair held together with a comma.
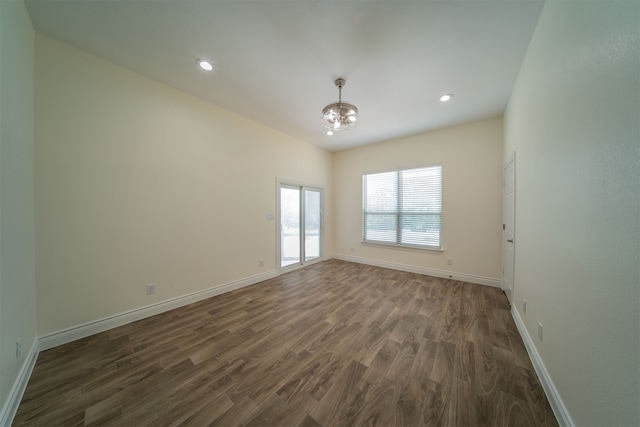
x: 339, y: 115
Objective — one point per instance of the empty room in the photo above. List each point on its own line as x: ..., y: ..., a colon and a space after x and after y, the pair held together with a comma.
x: 319, y: 213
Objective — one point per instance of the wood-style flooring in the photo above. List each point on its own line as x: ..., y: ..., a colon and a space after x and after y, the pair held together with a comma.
x: 332, y: 344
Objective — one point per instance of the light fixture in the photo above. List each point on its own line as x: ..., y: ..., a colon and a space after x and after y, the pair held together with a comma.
x: 339, y: 115
x: 446, y: 97
x: 204, y: 64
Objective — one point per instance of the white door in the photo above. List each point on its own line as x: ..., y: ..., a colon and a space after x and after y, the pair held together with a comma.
x: 508, y: 243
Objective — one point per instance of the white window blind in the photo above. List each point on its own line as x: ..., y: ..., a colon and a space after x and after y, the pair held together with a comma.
x: 403, y: 207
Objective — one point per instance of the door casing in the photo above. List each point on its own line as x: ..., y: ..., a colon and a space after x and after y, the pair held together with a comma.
x: 508, y: 227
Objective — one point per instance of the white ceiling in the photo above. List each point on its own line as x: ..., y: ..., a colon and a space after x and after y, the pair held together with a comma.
x: 276, y: 61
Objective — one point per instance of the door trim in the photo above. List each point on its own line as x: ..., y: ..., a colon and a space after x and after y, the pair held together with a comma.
x: 509, y: 292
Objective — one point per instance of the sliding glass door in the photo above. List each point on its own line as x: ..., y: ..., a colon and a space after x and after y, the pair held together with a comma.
x: 312, y: 220
x: 300, y: 224
x: 290, y: 246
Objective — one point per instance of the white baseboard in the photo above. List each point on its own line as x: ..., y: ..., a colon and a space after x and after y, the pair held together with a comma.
x: 81, y: 331
x: 488, y: 281
x: 54, y: 339
x: 560, y: 411
x: 12, y: 403
x: 65, y: 336
x: 57, y: 338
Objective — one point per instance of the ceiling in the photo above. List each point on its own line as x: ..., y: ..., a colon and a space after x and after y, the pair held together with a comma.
x: 276, y: 61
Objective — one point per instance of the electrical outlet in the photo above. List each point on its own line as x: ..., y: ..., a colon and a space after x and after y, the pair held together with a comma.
x: 18, y: 348
x: 540, y: 330
x: 261, y: 263
x: 450, y: 261
x: 524, y: 305
x: 151, y: 288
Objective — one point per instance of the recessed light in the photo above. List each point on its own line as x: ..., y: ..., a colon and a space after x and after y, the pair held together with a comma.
x: 446, y: 97
x: 329, y: 132
x: 204, y: 64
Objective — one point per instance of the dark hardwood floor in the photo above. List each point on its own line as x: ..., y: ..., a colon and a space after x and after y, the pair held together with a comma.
x: 332, y: 344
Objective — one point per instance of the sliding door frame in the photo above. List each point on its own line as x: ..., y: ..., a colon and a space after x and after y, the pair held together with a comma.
x: 302, y: 186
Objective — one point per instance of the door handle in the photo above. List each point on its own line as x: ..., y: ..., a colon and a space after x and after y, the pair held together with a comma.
x: 510, y: 240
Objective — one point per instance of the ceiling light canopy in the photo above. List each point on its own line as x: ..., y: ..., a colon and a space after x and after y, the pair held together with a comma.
x: 339, y: 115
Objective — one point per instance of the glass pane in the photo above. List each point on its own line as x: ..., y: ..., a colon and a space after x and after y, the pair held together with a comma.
x: 381, y: 192
x: 312, y: 220
x: 422, y: 190
x: 420, y: 230
x: 381, y: 227
x: 289, y: 226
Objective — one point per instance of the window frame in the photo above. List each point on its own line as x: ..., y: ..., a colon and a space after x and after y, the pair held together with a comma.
x: 399, y: 213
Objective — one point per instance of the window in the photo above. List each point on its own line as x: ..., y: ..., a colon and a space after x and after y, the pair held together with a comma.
x: 403, y: 207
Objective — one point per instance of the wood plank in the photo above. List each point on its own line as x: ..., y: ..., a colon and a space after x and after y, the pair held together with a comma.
x: 327, y: 411
x: 334, y: 343
x: 410, y: 403
x: 435, y: 411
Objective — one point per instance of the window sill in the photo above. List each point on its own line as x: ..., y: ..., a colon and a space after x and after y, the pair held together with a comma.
x: 400, y: 246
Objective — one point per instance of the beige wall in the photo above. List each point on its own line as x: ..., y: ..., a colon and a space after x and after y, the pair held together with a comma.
x: 573, y: 122
x: 471, y: 158
x: 139, y: 183
x: 17, y: 270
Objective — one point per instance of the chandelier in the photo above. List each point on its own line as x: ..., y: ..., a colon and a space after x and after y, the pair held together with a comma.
x: 339, y: 115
